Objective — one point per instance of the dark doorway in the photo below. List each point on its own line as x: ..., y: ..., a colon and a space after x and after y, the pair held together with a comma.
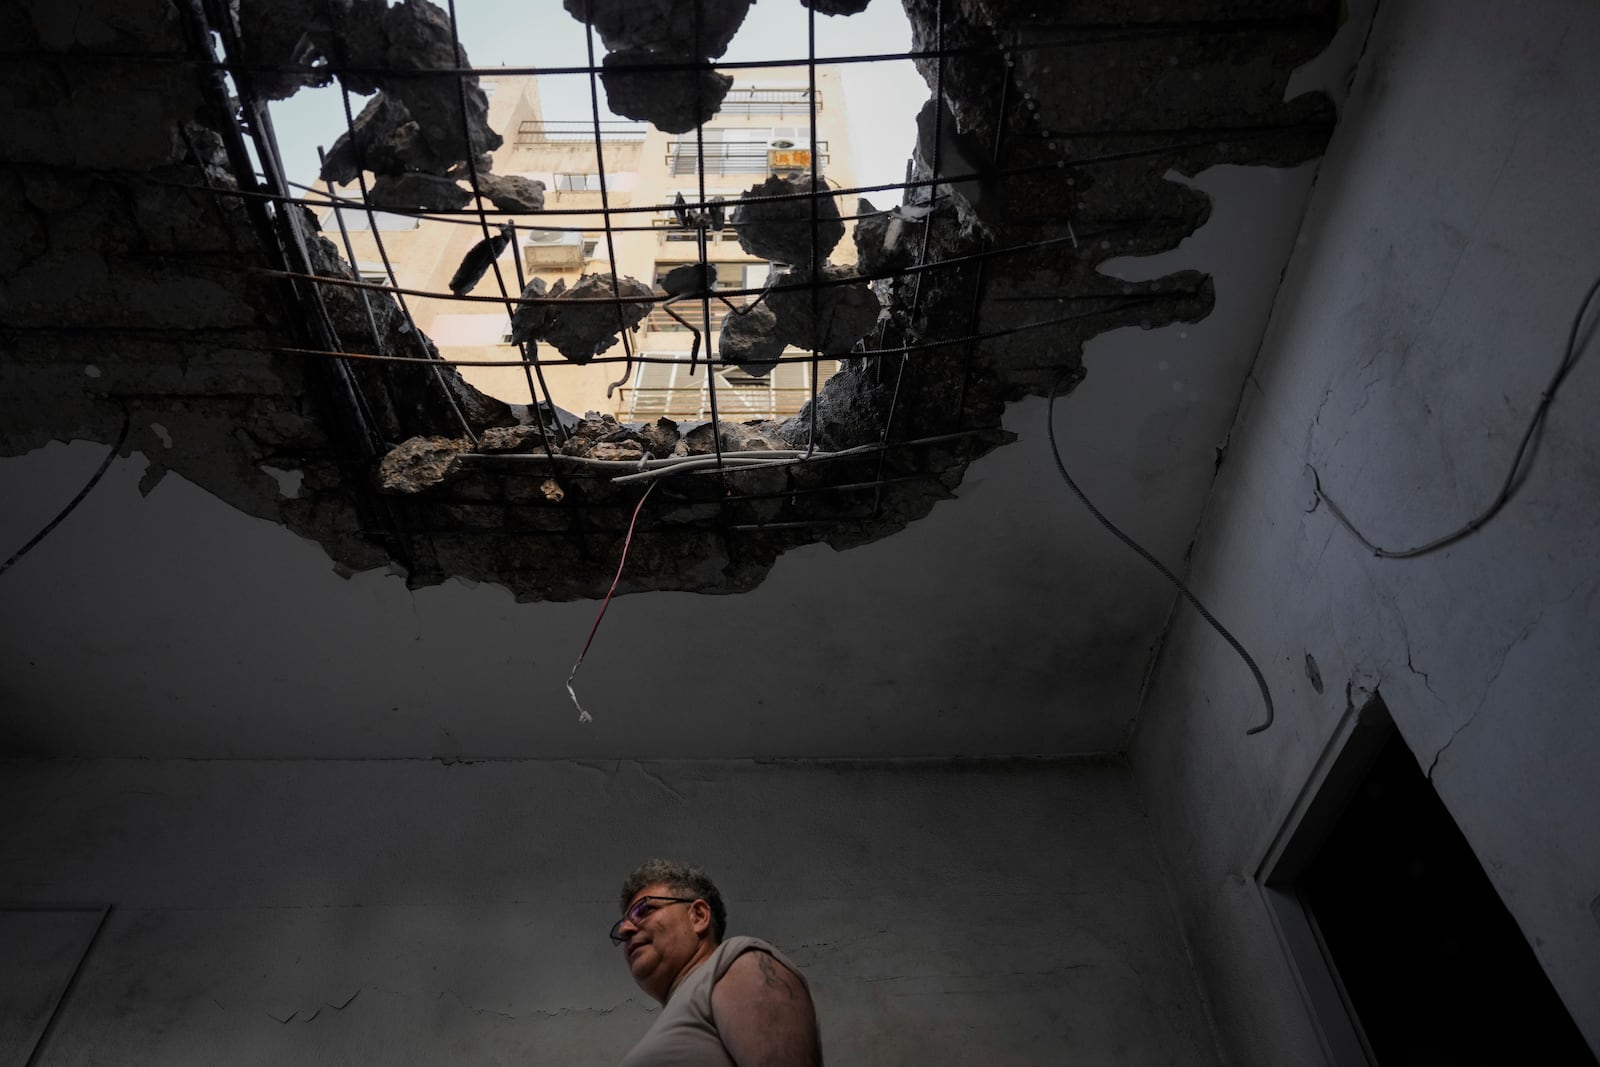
x: 1432, y: 964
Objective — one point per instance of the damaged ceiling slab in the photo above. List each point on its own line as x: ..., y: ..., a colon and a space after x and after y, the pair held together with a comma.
x: 151, y: 277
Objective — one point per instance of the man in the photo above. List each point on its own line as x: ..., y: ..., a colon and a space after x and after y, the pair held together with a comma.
x: 725, y: 1003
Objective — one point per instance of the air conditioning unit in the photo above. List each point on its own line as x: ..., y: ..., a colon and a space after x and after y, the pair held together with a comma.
x: 789, y: 151
x: 552, y: 249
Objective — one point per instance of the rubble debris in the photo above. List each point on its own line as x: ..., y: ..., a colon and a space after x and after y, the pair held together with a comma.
x: 414, y: 35
x: 750, y: 341
x: 510, y: 439
x: 417, y: 192
x: 461, y: 170
x: 732, y: 436
x: 627, y: 449
x: 383, y: 139
x: 887, y: 242
x: 527, y: 323
x: 837, y: 7
x: 511, y: 192
x: 699, y: 28
x: 830, y: 316
x: 478, y: 260
x: 594, y: 429
x: 780, y: 230
x: 961, y: 157
x: 421, y: 463
x: 587, y: 319
x: 281, y: 34
x: 661, y: 437
x: 674, y: 101
x: 690, y: 279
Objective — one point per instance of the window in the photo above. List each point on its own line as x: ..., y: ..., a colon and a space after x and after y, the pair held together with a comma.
x: 574, y: 183
x: 667, y: 389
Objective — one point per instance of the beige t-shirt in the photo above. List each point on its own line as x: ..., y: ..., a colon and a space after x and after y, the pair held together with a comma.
x: 684, y: 1033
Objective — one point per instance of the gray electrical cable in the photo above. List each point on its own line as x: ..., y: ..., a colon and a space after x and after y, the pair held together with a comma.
x: 1050, y: 429
x: 94, y: 479
x: 1520, y: 461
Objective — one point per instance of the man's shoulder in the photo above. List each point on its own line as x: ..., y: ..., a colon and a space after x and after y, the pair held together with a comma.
x: 734, y: 949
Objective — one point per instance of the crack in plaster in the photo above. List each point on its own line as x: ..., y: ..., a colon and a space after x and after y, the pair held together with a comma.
x: 1412, y: 667
x: 661, y: 781
x: 477, y: 1009
x: 1494, y: 677
x: 1448, y: 742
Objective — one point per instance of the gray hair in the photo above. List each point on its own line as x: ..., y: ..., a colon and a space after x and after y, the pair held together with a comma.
x: 683, y: 878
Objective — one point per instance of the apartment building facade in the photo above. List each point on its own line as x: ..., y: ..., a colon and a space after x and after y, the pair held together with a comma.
x: 608, y: 190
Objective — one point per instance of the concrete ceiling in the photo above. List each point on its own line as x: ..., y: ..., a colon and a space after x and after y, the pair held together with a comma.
x: 172, y: 616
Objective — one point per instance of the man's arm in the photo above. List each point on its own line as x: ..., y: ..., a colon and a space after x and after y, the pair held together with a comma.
x: 764, y: 1014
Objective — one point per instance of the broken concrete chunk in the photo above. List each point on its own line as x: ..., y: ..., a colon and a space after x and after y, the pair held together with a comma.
x: 587, y: 319
x: 414, y: 35
x: 417, y: 192
x: 594, y: 429
x: 383, y: 139
x: 511, y: 192
x: 829, y: 317
x: 421, y: 463
x: 627, y: 449
x: 510, y: 439
x: 527, y: 323
x: 275, y: 34
x: 962, y: 156
x: 731, y: 435
x: 837, y: 7
x: 461, y: 171
x: 780, y: 230
x: 887, y: 241
x: 674, y: 101
x: 660, y: 437
x: 698, y: 28
x: 750, y: 341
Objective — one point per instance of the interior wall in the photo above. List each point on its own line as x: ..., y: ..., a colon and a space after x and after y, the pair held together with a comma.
x: 401, y: 912
x: 1451, y: 237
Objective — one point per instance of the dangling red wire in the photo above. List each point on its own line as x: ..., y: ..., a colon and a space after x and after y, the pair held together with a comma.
x: 584, y: 716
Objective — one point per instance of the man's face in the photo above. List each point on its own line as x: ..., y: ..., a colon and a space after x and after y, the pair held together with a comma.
x: 662, y: 942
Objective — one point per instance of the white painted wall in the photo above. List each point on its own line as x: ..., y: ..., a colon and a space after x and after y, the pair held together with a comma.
x: 1453, y: 230
x: 412, y: 912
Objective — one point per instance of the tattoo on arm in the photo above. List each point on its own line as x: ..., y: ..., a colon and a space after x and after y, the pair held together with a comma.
x: 773, y: 975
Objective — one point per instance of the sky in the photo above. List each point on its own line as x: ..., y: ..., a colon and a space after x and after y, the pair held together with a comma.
x: 882, y: 98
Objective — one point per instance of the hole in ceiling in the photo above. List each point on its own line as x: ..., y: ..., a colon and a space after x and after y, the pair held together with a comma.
x: 965, y: 279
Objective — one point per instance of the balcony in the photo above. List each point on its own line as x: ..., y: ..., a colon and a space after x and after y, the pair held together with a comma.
x: 742, y: 157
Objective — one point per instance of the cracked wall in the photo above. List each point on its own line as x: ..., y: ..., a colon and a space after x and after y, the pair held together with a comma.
x: 1428, y: 302
x: 430, y: 912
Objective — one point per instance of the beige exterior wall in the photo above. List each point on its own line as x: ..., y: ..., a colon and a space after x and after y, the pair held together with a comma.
x: 638, y: 165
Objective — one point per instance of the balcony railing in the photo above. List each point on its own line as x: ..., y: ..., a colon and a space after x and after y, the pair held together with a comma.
x: 731, y: 157
x: 667, y: 390
x: 536, y: 131
x: 782, y: 103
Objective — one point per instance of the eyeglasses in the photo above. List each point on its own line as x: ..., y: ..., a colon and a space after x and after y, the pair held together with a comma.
x: 642, y: 908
